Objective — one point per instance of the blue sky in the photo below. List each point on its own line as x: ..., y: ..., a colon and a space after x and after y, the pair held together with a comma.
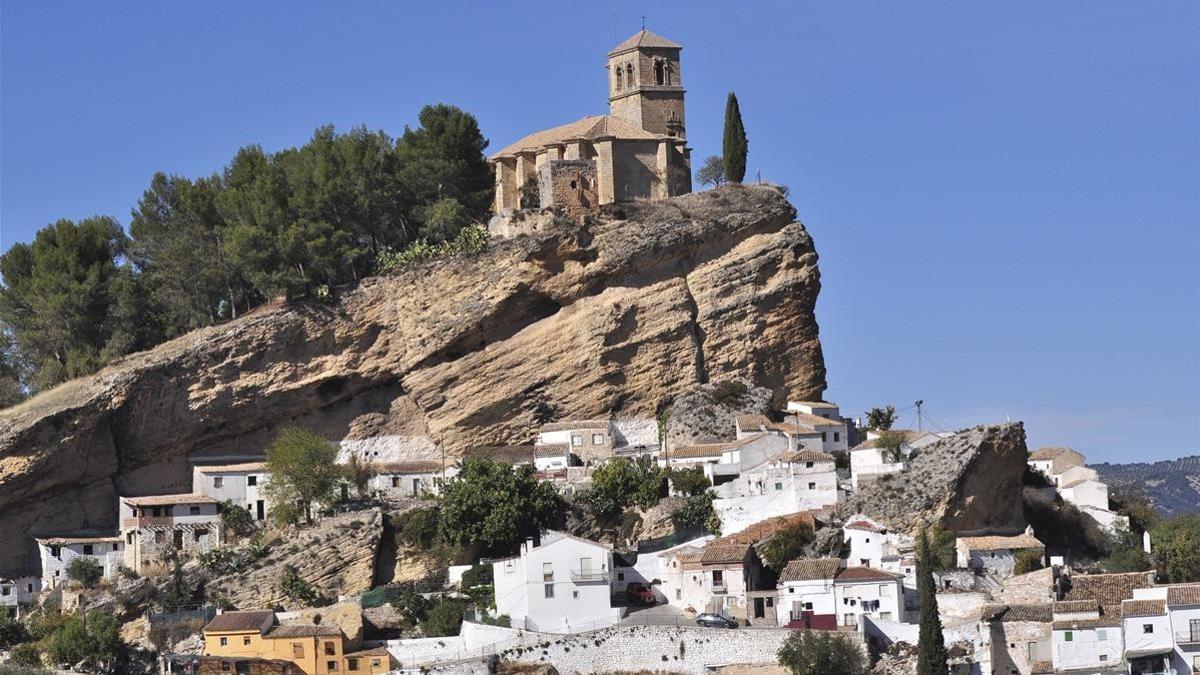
x: 1005, y: 196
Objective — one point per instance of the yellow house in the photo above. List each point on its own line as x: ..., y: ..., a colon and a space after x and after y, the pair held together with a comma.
x: 316, y: 650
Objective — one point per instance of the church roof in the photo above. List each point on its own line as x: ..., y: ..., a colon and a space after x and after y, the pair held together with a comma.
x: 589, y: 128
x: 642, y: 39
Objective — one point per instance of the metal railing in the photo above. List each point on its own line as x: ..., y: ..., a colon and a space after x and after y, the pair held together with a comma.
x: 1188, y: 638
x: 585, y: 577
x: 719, y: 587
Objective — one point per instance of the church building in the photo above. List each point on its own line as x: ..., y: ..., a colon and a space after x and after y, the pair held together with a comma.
x: 637, y: 151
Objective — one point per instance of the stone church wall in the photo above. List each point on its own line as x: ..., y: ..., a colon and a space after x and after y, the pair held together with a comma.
x: 569, y: 184
x: 635, y: 170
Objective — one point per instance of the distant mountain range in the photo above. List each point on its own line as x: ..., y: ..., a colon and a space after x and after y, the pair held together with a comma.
x: 1173, y: 486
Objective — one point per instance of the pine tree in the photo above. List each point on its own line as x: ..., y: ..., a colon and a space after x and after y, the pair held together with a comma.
x: 931, y: 648
x: 734, y: 145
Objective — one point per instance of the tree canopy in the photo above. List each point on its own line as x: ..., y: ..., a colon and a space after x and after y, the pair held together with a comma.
x: 711, y: 172
x: 203, y: 250
x: 302, y: 469
x: 881, y: 418
x: 620, y: 483
x: 496, y: 506
x: 815, y: 652
x: 1176, y: 544
x: 734, y: 145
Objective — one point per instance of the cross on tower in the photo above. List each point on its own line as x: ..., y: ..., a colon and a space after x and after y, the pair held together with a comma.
x: 643, y: 22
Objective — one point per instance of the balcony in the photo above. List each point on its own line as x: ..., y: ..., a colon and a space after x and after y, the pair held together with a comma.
x: 589, y: 577
x: 719, y: 587
x: 1188, y: 639
x: 146, y: 521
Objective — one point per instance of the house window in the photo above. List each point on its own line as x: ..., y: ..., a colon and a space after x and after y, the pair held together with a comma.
x: 547, y: 572
x: 808, y: 465
x: 194, y: 510
x: 678, y: 593
x: 331, y: 665
x: 718, y: 577
x: 1147, y: 628
x: 1104, y: 657
x: 395, y: 481
x: 218, y: 481
x: 824, y: 436
x: 5, y: 591
x: 508, y: 567
x: 246, y: 641
x: 160, y: 536
x: 251, y: 480
x: 224, y: 666
x: 224, y: 642
x: 808, y: 606
x: 128, y: 537
x: 87, y: 549
x: 574, y: 595
x: 1068, y: 636
x: 549, y: 590
x: 812, y: 486
x: 597, y: 439
x: 620, y: 576
x: 1101, y: 634
x: 376, y: 662
x: 779, y: 486
x: 576, y: 440
x: 330, y: 650
x: 352, y: 664
x: 837, y: 436
x: 56, y: 551
x: 297, y: 650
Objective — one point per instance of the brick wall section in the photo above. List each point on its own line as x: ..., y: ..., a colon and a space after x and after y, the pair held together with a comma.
x: 571, y: 185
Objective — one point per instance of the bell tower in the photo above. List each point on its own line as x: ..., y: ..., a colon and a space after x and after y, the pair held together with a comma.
x: 645, y: 87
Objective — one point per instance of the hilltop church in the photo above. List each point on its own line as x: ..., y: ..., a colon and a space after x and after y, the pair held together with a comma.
x: 637, y: 151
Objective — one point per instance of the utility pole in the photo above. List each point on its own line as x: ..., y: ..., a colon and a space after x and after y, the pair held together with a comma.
x: 919, y: 404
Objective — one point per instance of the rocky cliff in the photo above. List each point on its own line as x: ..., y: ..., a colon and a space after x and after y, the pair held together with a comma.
x: 614, y: 317
x: 969, y: 483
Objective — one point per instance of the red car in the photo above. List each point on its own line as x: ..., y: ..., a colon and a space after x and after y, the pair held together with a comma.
x: 641, y: 593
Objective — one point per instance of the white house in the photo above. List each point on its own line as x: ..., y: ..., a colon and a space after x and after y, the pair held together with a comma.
x: 1149, y: 641
x: 152, y: 526
x: 412, y: 478
x: 553, y: 456
x: 820, y: 593
x: 562, y: 584
x: 1054, y: 461
x: 822, y: 418
x: 807, y: 479
x: 240, y: 483
x: 868, y: 541
x: 1087, y: 492
x: 1073, y: 475
x: 868, y: 461
x: 57, y: 554
x: 21, y: 590
x: 996, y: 555
x: 1183, y: 604
x: 806, y: 597
x: 590, y: 440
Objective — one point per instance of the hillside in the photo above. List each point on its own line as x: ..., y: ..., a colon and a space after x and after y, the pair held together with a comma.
x: 613, y: 318
x: 1173, y: 486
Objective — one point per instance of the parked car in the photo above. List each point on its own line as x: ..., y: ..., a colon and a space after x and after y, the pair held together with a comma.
x: 715, y: 621
x: 640, y: 593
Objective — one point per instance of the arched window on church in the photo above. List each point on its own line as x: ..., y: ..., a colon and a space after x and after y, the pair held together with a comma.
x: 629, y: 75
x: 660, y: 72
x: 668, y: 73
x: 619, y: 78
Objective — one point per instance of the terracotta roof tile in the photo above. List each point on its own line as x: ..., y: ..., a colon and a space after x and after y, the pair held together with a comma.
x: 866, y: 574
x: 324, y: 630
x: 1080, y: 624
x: 240, y: 621
x: 1076, y: 606
x: 804, y: 419
x: 1049, y: 453
x: 644, y: 39
x: 80, y: 539
x: 754, y: 422
x: 223, y: 468
x: 412, y: 466
x: 511, y: 454
x: 1143, y: 607
x: 1032, y: 612
x: 589, y: 128
x: 574, y: 425
x: 167, y: 500
x: 806, y: 569
x: 807, y: 456
x: 864, y: 525
x: 724, y: 553
x: 1000, y: 543
x: 1107, y: 589
x: 1183, y: 594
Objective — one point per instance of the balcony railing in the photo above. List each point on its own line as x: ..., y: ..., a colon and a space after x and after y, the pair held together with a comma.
x: 146, y: 521
x: 589, y: 577
x: 719, y: 587
x: 1188, y: 638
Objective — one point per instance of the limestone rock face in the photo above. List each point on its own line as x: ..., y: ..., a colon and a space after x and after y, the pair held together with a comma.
x: 969, y: 483
x: 336, y: 556
x: 614, y: 317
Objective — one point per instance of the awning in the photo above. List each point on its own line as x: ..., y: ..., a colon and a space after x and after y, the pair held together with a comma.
x: 1149, y: 651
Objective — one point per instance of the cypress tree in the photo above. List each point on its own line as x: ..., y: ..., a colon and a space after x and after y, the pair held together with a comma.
x: 734, y: 145
x: 932, y: 657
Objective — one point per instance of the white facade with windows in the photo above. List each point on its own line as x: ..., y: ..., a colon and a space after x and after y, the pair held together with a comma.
x: 57, y: 554
x: 562, y: 585
x: 153, y: 526
x: 1082, y: 644
x: 19, y: 590
x: 409, y: 479
x: 240, y: 483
